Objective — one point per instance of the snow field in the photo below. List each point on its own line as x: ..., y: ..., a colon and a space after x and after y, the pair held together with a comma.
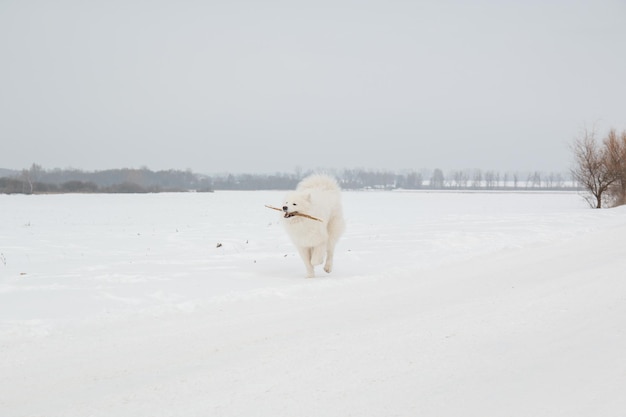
x: 441, y: 304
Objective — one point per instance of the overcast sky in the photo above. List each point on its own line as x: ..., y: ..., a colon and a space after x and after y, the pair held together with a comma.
x: 268, y: 86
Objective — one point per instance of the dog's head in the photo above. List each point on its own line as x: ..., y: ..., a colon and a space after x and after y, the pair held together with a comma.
x: 296, y: 202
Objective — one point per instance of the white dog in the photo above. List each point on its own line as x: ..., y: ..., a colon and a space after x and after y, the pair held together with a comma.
x: 318, y: 196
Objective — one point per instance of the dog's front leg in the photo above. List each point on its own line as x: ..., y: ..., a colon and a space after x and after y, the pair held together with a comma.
x: 305, y: 254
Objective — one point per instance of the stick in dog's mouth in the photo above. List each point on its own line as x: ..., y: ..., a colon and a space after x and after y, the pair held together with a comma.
x: 288, y: 215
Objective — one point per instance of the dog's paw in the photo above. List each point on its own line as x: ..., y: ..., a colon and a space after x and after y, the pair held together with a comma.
x: 328, y: 267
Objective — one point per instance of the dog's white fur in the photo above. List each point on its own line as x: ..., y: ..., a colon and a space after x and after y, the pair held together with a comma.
x: 318, y: 196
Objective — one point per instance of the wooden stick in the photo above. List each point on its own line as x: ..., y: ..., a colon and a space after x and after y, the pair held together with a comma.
x: 295, y: 213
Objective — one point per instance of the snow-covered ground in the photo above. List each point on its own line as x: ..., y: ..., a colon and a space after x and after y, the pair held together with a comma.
x: 441, y: 304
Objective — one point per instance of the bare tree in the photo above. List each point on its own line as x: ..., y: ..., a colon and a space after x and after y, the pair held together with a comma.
x: 505, y: 180
x: 592, y: 169
x: 27, y: 180
x: 490, y: 179
x: 437, y: 180
x: 615, y: 148
x: 459, y: 179
x: 534, y: 180
x: 30, y: 176
x: 477, y: 179
x: 414, y: 180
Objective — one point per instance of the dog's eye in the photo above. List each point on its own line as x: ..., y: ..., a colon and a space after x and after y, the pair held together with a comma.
x: 294, y: 204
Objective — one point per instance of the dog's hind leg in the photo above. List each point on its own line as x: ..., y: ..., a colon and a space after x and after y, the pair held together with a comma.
x: 330, y: 254
x: 317, y: 255
x: 335, y: 229
x: 305, y: 254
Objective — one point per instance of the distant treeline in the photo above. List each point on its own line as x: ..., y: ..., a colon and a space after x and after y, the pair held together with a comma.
x: 38, y: 180
x: 361, y: 179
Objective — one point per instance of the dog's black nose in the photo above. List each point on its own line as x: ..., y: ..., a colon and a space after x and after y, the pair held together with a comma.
x: 285, y: 208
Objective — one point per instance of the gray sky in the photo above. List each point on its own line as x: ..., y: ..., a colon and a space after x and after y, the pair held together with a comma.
x: 268, y: 86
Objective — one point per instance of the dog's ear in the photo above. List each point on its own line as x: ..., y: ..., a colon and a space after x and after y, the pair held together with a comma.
x: 308, y: 197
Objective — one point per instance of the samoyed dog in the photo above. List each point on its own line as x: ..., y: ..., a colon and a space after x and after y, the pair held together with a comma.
x: 318, y: 196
